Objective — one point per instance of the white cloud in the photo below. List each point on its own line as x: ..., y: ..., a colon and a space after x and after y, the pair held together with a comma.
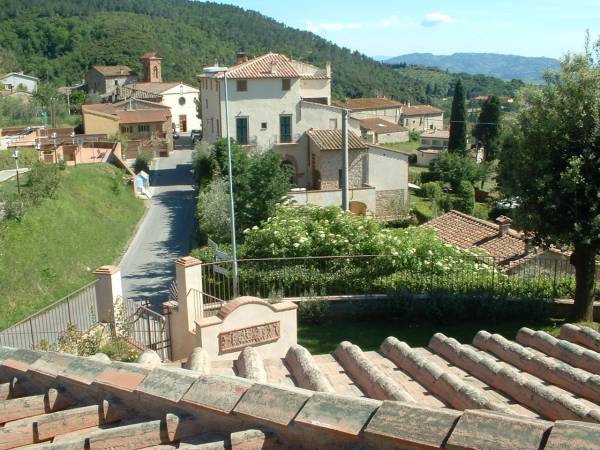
x: 392, y: 21
x: 436, y: 18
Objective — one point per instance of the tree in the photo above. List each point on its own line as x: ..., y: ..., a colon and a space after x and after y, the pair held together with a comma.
x: 457, y: 142
x: 452, y: 169
x: 465, y: 200
x: 554, y: 157
x: 213, y: 211
x: 487, y: 130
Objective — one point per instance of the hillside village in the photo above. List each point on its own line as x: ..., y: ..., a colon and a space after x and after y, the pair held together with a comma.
x: 292, y: 248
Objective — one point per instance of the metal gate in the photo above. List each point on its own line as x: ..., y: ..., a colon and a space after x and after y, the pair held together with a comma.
x: 147, y: 329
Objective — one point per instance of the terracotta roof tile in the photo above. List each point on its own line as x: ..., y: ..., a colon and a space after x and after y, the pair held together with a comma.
x: 381, y: 126
x: 118, y: 70
x: 470, y: 232
x: 332, y: 140
x: 358, y: 104
x: 418, y: 110
x: 271, y: 65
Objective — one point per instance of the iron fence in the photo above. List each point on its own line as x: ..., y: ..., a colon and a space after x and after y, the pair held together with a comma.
x: 146, y: 329
x: 307, y: 277
x: 44, y: 328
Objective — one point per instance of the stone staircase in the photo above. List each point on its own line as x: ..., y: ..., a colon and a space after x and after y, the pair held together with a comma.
x: 536, y: 375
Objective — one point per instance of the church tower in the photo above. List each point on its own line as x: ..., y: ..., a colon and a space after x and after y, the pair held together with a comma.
x: 152, y: 67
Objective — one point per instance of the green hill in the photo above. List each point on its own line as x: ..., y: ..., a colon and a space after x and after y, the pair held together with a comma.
x: 506, y: 67
x: 60, y: 242
x: 58, y: 40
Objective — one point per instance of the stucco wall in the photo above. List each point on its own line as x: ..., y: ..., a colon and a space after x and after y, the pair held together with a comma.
x: 99, y: 84
x: 424, y: 158
x: 389, y: 114
x: 316, y: 89
x: 424, y: 122
x: 16, y: 80
x: 389, y: 138
x: 96, y: 124
x: 387, y: 169
x: 188, y: 109
x: 211, y: 114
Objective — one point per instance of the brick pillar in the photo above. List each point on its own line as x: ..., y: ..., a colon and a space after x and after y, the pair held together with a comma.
x: 109, y: 294
x: 188, y: 276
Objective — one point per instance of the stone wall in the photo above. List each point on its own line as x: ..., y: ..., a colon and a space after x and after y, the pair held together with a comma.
x: 391, y: 203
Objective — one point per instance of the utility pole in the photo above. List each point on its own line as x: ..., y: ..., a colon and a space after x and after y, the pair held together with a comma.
x: 344, y: 160
x: 16, y: 156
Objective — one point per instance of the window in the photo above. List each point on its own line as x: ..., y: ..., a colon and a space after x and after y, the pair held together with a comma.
x: 333, y: 124
x: 285, y: 129
x: 182, y: 101
x: 241, y: 130
x: 313, y: 160
x: 218, y: 127
x: 142, y: 128
x: 263, y: 125
x: 286, y: 84
x: 242, y: 85
x: 116, y: 82
x: 207, y: 103
x: 212, y: 125
x: 126, y: 129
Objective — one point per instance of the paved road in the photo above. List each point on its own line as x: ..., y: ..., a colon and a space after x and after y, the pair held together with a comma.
x: 149, y: 264
x: 8, y: 174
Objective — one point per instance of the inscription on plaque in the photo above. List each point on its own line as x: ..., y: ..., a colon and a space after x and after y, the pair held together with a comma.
x: 233, y: 340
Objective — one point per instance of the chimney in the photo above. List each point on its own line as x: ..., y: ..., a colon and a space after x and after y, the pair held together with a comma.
x: 241, y: 57
x: 274, y: 68
x: 328, y: 68
x: 216, y: 62
x: 120, y: 70
x: 503, y: 225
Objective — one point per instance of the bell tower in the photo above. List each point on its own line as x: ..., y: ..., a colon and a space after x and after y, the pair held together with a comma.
x: 152, y: 67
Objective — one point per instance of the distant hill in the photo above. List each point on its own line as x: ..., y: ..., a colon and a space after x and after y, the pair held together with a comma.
x: 58, y: 40
x: 506, y: 67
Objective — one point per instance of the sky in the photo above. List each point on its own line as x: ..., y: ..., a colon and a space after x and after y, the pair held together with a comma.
x: 390, y: 28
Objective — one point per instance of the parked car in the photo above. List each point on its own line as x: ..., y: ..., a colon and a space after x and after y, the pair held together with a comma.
x: 196, y: 135
x: 175, y: 134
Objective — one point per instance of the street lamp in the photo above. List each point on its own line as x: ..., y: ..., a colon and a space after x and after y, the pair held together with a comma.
x: 211, y: 71
x: 16, y: 156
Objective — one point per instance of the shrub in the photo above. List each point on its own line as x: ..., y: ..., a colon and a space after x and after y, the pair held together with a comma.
x: 203, y: 164
x: 313, y: 310
x: 452, y: 168
x: 213, y: 211
x: 465, y: 197
x: 432, y: 190
x: 62, y: 164
x: 415, y: 135
x: 142, y: 162
x: 42, y: 182
x: 412, y: 159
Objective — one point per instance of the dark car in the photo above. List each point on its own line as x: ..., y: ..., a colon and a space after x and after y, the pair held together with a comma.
x: 196, y: 135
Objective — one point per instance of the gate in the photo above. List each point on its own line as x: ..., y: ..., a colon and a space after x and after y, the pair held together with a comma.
x: 147, y: 329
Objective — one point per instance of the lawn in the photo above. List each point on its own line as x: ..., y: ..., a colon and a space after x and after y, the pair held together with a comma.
x: 60, y: 242
x: 369, y: 334
x: 405, y: 147
x: 26, y: 157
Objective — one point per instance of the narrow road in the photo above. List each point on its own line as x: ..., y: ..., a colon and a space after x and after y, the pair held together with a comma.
x: 148, y: 267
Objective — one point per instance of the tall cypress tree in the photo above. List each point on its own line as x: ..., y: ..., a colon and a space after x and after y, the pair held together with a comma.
x: 457, y: 143
x: 488, y: 127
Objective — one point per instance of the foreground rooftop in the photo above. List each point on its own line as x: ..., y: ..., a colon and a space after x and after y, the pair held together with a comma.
x: 536, y: 392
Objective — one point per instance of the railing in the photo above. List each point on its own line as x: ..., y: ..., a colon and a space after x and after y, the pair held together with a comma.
x: 145, y: 328
x: 45, y: 327
x: 303, y: 277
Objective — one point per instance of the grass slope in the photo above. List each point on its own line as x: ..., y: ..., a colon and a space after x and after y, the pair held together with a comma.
x: 59, y: 243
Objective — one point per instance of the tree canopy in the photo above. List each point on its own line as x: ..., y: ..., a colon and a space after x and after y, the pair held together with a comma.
x: 551, y: 164
x: 457, y: 142
x: 487, y: 130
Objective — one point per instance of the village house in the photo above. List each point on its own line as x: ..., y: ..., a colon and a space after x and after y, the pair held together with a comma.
x: 376, y: 130
x: 104, y: 80
x: 18, y: 81
x: 370, y: 107
x: 145, y: 125
x: 180, y: 97
x: 432, y: 143
x: 422, y: 117
x: 273, y: 100
x: 511, y: 250
x: 372, y: 190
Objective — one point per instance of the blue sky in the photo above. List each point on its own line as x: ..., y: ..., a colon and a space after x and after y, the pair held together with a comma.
x: 388, y: 27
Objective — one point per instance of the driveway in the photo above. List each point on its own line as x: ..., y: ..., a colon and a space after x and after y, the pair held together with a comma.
x: 148, y: 267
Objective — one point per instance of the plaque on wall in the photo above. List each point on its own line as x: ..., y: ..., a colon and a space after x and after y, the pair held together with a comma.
x: 230, y: 341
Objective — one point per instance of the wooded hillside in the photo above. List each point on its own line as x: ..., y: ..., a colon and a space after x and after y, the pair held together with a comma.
x: 58, y: 40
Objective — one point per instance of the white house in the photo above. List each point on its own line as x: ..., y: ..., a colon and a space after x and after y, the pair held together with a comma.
x: 177, y: 95
x: 268, y: 100
x: 14, y: 81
